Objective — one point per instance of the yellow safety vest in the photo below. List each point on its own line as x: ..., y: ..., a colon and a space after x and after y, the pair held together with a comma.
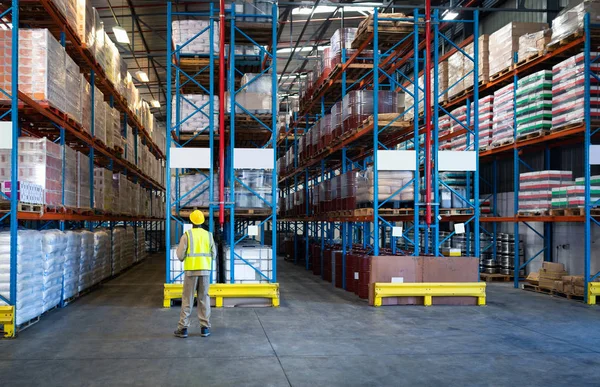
x: 198, y: 255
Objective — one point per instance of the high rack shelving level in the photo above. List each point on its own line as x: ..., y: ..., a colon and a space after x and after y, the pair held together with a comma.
x: 388, y: 54
x: 24, y: 117
x: 219, y: 137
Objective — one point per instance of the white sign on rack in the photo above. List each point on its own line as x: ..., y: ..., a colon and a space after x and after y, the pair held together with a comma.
x: 189, y: 158
x: 457, y: 161
x: 6, y: 135
x: 594, y: 154
x: 396, y: 160
x: 248, y: 158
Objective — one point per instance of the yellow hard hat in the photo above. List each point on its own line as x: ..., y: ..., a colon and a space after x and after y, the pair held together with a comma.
x: 197, y: 217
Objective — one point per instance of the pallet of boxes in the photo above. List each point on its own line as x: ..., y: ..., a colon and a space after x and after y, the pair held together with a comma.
x: 554, y: 279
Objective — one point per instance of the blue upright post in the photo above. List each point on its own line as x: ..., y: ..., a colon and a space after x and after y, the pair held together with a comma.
x: 232, y: 104
x: 14, y: 157
x: 376, y: 132
x: 436, y: 148
x: 274, y: 105
x: 586, y: 150
x: 476, y: 130
x: 516, y: 183
x: 417, y: 146
x: 168, y: 147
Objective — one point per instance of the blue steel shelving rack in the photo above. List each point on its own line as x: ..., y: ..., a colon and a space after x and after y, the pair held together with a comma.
x: 97, y: 156
x: 383, y: 76
x: 235, y: 229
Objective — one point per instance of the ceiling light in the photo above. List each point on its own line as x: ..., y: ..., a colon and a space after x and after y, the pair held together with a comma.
x: 155, y: 104
x: 449, y: 15
x: 121, y: 35
x: 142, y: 76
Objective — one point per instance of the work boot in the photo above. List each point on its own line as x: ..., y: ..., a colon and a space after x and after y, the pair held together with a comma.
x: 181, y: 333
x: 204, y: 332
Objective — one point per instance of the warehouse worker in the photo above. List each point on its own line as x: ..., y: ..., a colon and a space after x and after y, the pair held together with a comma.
x: 196, y: 250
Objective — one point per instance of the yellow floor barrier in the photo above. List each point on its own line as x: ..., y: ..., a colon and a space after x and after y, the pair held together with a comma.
x: 429, y: 290
x: 593, y: 291
x: 220, y: 291
x: 7, y: 320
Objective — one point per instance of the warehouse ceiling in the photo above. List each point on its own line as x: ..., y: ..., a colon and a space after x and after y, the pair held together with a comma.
x: 146, y: 24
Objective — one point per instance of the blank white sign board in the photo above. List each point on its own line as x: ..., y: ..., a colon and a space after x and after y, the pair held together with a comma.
x: 396, y: 160
x: 247, y: 158
x: 6, y: 135
x: 594, y: 154
x: 457, y: 161
x: 190, y: 158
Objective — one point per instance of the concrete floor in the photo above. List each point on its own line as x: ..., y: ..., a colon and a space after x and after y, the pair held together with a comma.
x: 321, y: 336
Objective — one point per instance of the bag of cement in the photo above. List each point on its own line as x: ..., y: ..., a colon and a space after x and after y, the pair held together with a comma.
x: 54, y: 246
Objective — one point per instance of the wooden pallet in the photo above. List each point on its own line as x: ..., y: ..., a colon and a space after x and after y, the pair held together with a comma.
x: 503, y: 142
x: 502, y: 72
x: 569, y: 296
x: 533, y: 213
x: 456, y: 211
x: 552, y: 292
x: 388, y: 34
x: 531, y: 58
x: 536, y: 289
x: 564, y: 41
x: 495, y: 277
x: 27, y: 207
x: 387, y: 120
x: 532, y: 135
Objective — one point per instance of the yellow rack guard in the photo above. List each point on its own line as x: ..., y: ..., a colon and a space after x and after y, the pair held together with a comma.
x: 7, y: 319
x: 593, y: 291
x: 220, y: 291
x: 429, y: 290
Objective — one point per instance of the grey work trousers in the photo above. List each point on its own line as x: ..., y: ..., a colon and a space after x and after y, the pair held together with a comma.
x: 190, y: 285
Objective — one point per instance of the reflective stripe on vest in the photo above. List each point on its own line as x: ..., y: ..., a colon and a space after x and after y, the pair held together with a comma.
x: 198, y: 255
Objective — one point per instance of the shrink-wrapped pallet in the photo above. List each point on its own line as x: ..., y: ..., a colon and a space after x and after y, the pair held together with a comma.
x: 570, y: 20
x: 128, y: 247
x: 505, y: 42
x: 85, y: 24
x: 389, y: 182
x: 72, y: 89
x: 71, y: 265
x: 118, y: 238
x: 533, y: 44
x: 42, y: 72
x: 534, y: 103
x: 83, y: 181
x: 40, y: 162
x: 99, y: 115
x: 86, y: 260
x: 357, y: 106
x: 191, y: 113
x: 86, y: 105
x: 185, y: 30
x: 256, y: 265
x: 71, y: 178
x: 54, y: 246
x: 535, y: 189
x: 102, y: 251
x: 103, y: 190
x: 483, y: 64
x: 503, y: 124
x: 29, y: 274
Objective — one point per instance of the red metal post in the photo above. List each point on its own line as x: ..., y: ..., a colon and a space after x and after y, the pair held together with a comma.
x: 427, y: 78
x: 222, y: 112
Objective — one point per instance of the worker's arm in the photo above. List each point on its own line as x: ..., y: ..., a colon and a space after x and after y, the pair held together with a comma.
x: 213, y: 248
x: 182, y: 247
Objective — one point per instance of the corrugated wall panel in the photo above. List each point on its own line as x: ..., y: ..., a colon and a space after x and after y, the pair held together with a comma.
x: 495, y: 20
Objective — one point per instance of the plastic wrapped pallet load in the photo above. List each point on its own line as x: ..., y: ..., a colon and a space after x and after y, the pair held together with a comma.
x: 505, y: 42
x: 71, y: 178
x: 54, y: 246
x: 29, y: 274
x: 192, y: 113
x: 256, y: 260
x: 103, y: 190
x: 568, y: 91
x: 102, y: 264
x: 184, y: 30
x: 86, y: 274
x: 503, y: 121
x: 535, y: 189
x: 40, y: 162
x: 72, y: 89
x: 83, y: 181
x: 118, y: 236
x: 42, y: 72
x: 533, y: 44
x: 389, y: 182
x: 570, y: 19
x: 85, y: 24
x: 128, y: 248
x: 71, y: 265
x: 140, y: 245
x: 534, y: 103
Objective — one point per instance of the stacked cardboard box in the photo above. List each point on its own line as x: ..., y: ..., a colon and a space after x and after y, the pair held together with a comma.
x: 573, y: 195
x: 535, y: 189
x: 85, y: 23
x: 389, y: 182
x: 505, y: 42
x: 572, y: 285
x: 551, y: 272
x: 568, y: 91
x: 534, y: 103
x: 503, y: 124
x: 483, y: 64
x: 533, y: 44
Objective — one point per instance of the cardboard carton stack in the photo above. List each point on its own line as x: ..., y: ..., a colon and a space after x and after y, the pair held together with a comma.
x: 536, y: 189
x: 571, y: 285
x: 483, y: 63
x: 551, y: 272
x: 532, y: 44
x: 570, y: 19
x: 505, y: 42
